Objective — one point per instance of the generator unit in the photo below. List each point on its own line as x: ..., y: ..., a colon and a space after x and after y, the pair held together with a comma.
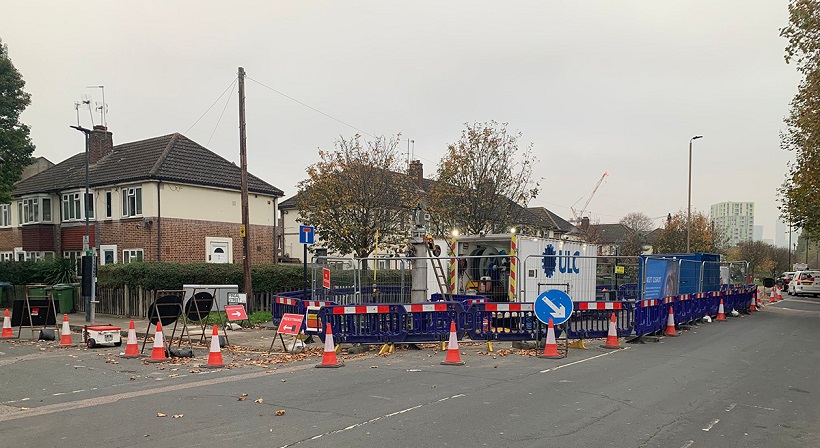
x: 96, y: 335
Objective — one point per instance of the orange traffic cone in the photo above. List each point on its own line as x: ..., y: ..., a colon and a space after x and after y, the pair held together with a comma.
x: 215, y: 356
x: 158, y: 352
x: 721, y: 317
x: 132, y: 350
x: 612, y: 334
x: 771, y: 296
x: 670, y: 324
x: 550, y: 347
x: 753, y: 307
x: 329, y: 357
x: 453, y: 356
x: 779, y: 293
x: 65, y: 334
x: 7, y: 333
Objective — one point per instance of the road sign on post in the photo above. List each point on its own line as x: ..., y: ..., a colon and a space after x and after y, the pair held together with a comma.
x: 306, y: 234
x: 235, y: 312
x: 553, y: 304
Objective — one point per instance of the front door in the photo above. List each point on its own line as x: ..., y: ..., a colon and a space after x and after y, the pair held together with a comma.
x: 218, y: 252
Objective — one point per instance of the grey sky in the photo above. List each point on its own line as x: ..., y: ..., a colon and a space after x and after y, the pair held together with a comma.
x: 594, y: 85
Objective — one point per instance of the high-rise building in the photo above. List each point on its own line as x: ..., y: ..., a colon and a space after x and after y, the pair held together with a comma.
x: 781, y: 234
x: 758, y: 236
x: 735, y: 219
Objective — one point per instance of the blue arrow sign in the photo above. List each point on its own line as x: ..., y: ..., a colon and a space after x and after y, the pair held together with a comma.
x: 306, y: 234
x: 553, y: 304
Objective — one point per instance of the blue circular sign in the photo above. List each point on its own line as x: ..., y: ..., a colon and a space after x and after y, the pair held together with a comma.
x: 553, y: 304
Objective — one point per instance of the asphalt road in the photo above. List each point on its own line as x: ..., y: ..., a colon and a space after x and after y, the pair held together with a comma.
x: 748, y: 382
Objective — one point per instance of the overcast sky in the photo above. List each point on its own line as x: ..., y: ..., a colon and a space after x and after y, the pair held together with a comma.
x: 595, y: 86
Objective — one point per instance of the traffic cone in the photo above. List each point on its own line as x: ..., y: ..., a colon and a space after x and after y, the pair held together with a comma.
x: 670, y: 324
x: 753, y: 307
x: 65, y: 334
x: 329, y: 357
x: 158, y: 352
x: 721, y: 317
x: 779, y: 293
x: 550, y: 347
x: 7, y: 333
x: 612, y: 334
x: 771, y: 296
x: 453, y: 356
x: 215, y: 356
x: 132, y: 350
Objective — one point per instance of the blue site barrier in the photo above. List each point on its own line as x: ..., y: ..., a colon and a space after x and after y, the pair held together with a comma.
x: 430, y: 322
x: 364, y: 324
x: 279, y: 305
x: 465, y: 299
x: 684, y: 309
x: 591, y: 319
x: 497, y: 321
x: 311, y: 324
x: 648, y: 317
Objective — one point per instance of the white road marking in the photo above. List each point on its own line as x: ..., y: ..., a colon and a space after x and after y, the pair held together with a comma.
x: 711, y: 425
x: 580, y: 361
x: 732, y: 406
x: 688, y: 444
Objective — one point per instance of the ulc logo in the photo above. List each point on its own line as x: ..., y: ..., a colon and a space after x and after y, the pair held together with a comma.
x: 565, y: 260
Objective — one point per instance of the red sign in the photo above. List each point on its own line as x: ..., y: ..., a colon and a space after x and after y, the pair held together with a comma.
x: 326, y: 278
x: 235, y: 312
x: 290, y: 324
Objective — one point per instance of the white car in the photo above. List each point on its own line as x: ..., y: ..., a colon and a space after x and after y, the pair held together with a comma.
x: 805, y: 282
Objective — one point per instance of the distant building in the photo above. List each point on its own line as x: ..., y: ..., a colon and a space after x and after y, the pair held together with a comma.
x: 735, y: 219
x: 781, y: 234
x: 758, y: 233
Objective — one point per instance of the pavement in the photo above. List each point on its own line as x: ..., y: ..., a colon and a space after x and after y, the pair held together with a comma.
x: 254, y: 339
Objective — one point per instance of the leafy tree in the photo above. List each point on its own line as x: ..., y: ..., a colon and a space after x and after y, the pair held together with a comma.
x: 15, y: 145
x: 703, y: 237
x: 484, y: 182
x: 354, y: 192
x: 802, y: 135
x: 754, y: 252
x: 639, y: 225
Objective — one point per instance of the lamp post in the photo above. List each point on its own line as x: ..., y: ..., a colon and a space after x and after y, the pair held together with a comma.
x: 689, y: 202
x: 87, y: 282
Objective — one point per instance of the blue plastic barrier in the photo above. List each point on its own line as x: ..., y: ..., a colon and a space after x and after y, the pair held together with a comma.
x: 364, y: 324
x: 465, y: 299
x: 494, y: 321
x: 313, y: 327
x: 430, y: 322
x: 648, y: 317
x: 629, y: 291
x: 684, y: 309
x: 591, y: 319
x: 280, y: 305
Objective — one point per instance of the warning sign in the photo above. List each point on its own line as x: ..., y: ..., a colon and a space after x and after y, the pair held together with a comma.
x: 290, y: 324
x: 326, y: 278
x: 235, y: 312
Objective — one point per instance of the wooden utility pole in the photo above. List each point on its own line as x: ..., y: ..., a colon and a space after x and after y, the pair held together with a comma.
x: 243, y: 162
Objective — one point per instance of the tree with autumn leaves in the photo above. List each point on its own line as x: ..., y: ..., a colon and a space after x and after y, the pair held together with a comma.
x: 703, y: 237
x: 801, y: 189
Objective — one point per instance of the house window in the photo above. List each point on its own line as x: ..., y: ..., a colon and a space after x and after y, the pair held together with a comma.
x: 5, y: 215
x: 131, y: 255
x: 109, y: 254
x: 6, y: 256
x: 35, y: 256
x: 30, y: 211
x: 76, y: 256
x: 131, y: 201
x: 72, y: 206
x: 108, y: 207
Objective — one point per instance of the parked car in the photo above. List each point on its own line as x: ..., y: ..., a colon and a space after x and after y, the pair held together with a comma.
x: 784, y: 280
x: 805, y: 282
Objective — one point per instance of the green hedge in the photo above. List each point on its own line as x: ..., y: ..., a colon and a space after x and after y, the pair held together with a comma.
x: 25, y: 272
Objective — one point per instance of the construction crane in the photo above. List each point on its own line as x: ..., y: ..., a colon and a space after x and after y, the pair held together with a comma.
x: 578, y: 216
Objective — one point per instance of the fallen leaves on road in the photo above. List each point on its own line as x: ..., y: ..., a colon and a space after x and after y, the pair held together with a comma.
x: 259, y: 400
x: 160, y: 414
x: 280, y: 412
x: 177, y: 415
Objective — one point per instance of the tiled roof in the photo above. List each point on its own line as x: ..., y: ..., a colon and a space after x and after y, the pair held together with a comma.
x: 555, y: 221
x: 610, y: 233
x: 172, y: 157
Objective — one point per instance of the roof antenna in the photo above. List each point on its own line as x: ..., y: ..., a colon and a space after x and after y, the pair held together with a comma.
x: 87, y: 101
x: 102, y: 107
x: 77, y: 105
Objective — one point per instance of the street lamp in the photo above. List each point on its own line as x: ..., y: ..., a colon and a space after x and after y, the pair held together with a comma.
x: 689, y: 202
x: 87, y: 282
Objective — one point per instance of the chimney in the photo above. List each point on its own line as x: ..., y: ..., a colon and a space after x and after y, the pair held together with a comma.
x: 584, y: 224
x: 100, y: 143
x: 416, y: 173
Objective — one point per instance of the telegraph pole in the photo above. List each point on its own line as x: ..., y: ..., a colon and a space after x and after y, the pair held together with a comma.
x: 243, y: 162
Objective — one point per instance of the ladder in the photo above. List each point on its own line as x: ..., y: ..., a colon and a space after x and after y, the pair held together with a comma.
x: 438, y: 269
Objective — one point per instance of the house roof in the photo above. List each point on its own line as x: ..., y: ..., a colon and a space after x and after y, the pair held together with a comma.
x: 547, y: 216
x: 172, y: 157
x: 610, y: 233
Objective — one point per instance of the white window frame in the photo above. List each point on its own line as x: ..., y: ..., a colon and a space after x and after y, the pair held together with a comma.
x: 33, y: 210
x: 131, y: 202
x: 106, y: 247
x: 109, y: 205
x: 129, y: 254
x: 5, y: 215
x: 72, y: 206
x: 77, y: 257
x: 7, y: 256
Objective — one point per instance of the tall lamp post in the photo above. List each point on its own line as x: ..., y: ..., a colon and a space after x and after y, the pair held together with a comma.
x: 88, y: 283
x: 689, y: 202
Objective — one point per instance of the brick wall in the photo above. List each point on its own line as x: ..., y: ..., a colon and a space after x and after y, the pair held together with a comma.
x: 72, y: 236
x: 38, y: 237
x: 10, y: 238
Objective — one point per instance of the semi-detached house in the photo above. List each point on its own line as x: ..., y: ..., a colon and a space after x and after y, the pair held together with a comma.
x: 162, y: 199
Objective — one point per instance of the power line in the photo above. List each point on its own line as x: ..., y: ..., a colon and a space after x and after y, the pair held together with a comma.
x: 212, y: 105
x: 220, y: 118
x: 311, y: 107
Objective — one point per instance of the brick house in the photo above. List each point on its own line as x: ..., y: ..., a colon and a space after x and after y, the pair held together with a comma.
x: 161, y: 199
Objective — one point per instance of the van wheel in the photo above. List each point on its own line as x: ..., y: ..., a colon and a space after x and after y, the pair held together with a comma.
x: 91, y: 343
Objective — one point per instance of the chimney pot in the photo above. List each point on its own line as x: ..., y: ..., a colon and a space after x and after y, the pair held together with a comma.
x: 100, y: 143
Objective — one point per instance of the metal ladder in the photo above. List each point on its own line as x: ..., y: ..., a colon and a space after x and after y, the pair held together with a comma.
x: 438, y: 269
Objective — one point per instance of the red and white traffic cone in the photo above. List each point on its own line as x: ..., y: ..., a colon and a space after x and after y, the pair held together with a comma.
x: 779, y: 293
x: 329, y: 357
x: 753, y: 307
x: 7, y: 333
x: 453, y: 356
x: 65, y: 333
x: 721, y: 317
x: 132, y: 349
x: 215, y: 355
x: 612, y: 334
x: 550, y: 347
x: 670, y: 324
x: 772, y: 296
x: 158, y: 352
